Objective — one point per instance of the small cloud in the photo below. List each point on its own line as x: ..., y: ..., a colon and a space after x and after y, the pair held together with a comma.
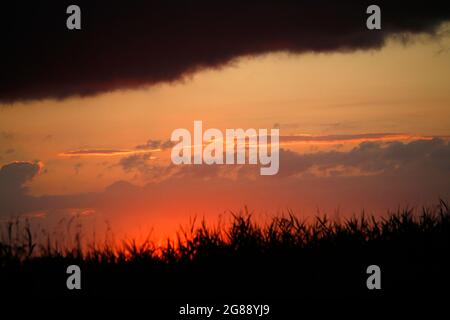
x: 155, y: 145
x: 136, y: 161
x: 167, y: 144
x: 14, y: 175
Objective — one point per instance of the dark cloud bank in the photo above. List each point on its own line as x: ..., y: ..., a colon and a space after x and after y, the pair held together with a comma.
x: 130, y: 44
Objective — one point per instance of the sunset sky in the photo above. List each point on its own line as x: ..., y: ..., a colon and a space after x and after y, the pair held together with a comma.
x: 362, y: 127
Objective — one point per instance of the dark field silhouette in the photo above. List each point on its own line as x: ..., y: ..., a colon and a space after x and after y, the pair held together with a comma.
x: 285, y: 259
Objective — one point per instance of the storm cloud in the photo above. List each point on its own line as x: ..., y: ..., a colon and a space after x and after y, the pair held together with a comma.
x: 130, y: 45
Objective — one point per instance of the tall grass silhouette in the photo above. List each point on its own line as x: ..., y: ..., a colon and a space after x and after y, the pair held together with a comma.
x: 285, y: 258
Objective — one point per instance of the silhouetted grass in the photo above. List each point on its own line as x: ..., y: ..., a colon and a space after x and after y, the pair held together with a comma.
x: 285, y: 258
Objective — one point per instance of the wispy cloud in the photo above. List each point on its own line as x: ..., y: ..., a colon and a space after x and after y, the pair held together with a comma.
x: 103, y: 152
x: 349, y: 138
x: 286, y: 140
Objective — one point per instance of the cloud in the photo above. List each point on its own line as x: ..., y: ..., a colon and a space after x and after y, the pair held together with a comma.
x: 342, y: 138
x: 378, y: 157
x: 14, y: 175
x: 122, y: 187
x: 374, y: 154
x: 156, y: 145
x: 140, y: 151
x: 141, y: 164
x: 374, y: 175
x: 135, y: 161
x: 149, y: 42
x: 419, y: 157
x: 99, y: 153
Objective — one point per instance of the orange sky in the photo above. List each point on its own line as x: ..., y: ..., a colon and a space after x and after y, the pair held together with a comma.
x: 400, y: 92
